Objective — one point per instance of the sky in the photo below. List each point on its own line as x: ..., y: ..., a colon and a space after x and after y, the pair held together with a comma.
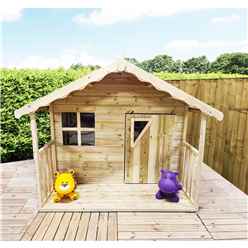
x: 49, y: 38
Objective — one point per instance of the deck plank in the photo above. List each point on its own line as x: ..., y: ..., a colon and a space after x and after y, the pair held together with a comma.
x: 63, y: 227
x: 51, y: 231
x: 93, y: 226
x: 112, y: 226
x: 228, y: 228
x: 159, y: 228
x: 163, y: 235
x: 230, y: 235
x: 103, y: 227
x: 83, y: 226
x: 30, y: 231
x: 73, y: 227
x: 39, y: 234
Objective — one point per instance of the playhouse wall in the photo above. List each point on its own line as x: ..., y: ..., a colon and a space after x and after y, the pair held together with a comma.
x: 110, y: 99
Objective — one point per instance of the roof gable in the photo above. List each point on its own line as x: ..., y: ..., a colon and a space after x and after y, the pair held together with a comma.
x: 120, y: 66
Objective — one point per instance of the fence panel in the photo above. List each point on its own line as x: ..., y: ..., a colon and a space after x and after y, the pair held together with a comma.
x: 226, y: 146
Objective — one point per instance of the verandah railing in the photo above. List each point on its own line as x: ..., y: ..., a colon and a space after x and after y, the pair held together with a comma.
x: 47, y: 168
x: 190, y: 171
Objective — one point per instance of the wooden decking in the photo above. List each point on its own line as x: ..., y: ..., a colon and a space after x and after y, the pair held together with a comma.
x: 223, y: 214
x: 73, y: 226
x: 119, y: 197
x: 18, y: 198
x: 115, y: 226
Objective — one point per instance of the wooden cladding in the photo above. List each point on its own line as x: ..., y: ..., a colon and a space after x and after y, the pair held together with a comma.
x: 110, y: 101
x: 158, y: 146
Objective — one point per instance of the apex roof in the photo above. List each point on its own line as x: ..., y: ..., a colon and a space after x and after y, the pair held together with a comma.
x: 120, y: 66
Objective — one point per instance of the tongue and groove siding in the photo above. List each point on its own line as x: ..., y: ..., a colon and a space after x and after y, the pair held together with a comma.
x: 110, y: 100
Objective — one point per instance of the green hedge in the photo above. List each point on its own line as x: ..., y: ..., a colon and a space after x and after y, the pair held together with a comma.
x: 19, y: 87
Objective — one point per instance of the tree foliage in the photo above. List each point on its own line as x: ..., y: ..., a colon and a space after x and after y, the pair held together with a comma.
x: 159, y: 63
x: 231, y: 63
x: 226, y: 63
x: 198, y: 64
x: 79, y: 66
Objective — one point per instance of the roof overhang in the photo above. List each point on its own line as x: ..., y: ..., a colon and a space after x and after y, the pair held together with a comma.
x: 120, y: 66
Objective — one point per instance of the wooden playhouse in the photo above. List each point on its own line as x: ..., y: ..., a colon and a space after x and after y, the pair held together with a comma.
x: 117, y: 127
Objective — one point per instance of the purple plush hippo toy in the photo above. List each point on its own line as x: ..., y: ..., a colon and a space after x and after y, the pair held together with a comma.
x: 168, y: 186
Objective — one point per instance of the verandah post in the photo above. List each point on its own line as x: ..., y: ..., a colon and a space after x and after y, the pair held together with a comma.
x: 36, y: 154
x: 202, y: 134
x: 183, y: 149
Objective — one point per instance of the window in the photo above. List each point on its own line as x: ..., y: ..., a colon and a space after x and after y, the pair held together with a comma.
x: 70, y: 138
x: 139, y: 126
x: 78, y: 128
x: 87, y: 120
x: 69, y: 119
x: 87, y: 138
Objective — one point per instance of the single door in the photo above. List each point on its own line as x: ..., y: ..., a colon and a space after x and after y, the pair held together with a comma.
x: 148, y: 139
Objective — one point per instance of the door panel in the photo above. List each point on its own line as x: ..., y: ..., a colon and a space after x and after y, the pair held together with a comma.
x: 149, y: 149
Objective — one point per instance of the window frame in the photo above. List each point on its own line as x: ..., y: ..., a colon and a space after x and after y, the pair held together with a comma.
x: 79, y: 129
x: 149, y: 122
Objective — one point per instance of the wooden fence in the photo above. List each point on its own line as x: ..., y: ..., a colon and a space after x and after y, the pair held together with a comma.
x: 226, y: 147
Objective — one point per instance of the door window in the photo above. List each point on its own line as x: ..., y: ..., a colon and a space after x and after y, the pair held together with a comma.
x: 138, y: 128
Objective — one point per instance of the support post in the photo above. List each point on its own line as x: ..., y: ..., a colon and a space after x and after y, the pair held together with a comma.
x: 202, y: 135
x: 36, y: 154
x: 185, y: 125
x: 182, y: 150
x: 52, y: 131
x: 203, y: 125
